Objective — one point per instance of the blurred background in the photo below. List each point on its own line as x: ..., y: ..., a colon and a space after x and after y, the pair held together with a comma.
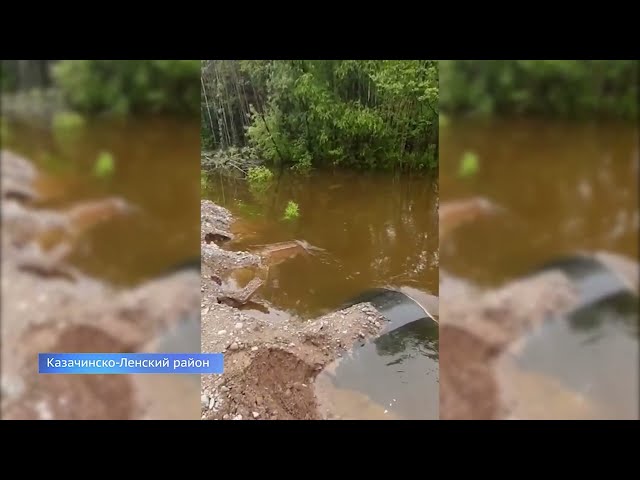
x: 107, y: 149
x: 113, y: 127
x: 553, y: 146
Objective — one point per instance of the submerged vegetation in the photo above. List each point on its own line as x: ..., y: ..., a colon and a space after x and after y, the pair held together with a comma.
x: 291, y: 211
x: 560, y: 88
x: 305, y: 114
x: 104, y: 165
x: 468, y: 165
x: 67, y: 121
x: 259, y: 177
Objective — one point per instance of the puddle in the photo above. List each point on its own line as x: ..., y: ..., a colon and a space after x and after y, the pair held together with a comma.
x: 395, y: 376
x: 581, y: 362
x: 588, y: 353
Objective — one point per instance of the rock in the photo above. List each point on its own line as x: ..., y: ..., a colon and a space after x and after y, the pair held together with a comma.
x: 212, y: 403
x: 238, y: 417
x: 254, y: 349
x: 224, y: 388
x: 222, y: 332
x: 259, y: 400
x: 204, y: 400
x: 238, y: 325
x: 225, y: 416
x: 255, y: 414
x: 234, y: 346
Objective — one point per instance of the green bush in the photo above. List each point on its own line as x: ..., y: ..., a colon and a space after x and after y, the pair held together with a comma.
x: 259, y: 177
x: 291, y: 211
x: 104, y: 166
x: 314, y: 113
x: 129, y: 86
x: 561, y: 88
x: 67, y: 121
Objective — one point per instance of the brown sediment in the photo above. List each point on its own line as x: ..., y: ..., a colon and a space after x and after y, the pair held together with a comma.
x: 454, y: 214
x: 270, y: 362
x: 241, y: 297
x: 276, y: 253
x: 481, y: 334
x: 42, y: 311
x: 468, y: 388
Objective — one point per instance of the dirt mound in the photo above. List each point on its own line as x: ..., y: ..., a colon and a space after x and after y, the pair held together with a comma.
x: 468, y: 388
x: 75, y: 397
x: 47, y: 312
x: 277, y: 383
x: 271, y: 361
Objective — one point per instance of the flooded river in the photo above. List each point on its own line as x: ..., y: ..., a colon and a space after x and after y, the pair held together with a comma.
x: 564, y: 188
x: 155, y: 166
x: 377, y: 230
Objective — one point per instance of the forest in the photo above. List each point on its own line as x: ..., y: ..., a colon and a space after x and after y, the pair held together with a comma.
x: 109, y: 86
x: 570, y: 89
x: 364, y: 114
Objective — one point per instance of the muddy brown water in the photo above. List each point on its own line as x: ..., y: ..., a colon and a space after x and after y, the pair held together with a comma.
x: 566, y: 187
x: 156, y: 168
x: 377, y: 230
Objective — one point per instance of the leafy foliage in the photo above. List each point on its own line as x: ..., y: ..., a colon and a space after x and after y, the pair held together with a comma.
x: 67, y: 121
x: 104, y: 165
x: 565, y: 88
x: 291, y: 211
x: 129, y: 86
x: 468, y: 165
x: 259, y: 177
x: 313, y: 113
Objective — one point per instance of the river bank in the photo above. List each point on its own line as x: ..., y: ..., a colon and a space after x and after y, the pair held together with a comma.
x: 270, y: 364
x: 50, y: 304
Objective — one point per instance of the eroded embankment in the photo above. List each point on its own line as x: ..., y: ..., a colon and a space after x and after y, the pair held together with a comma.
x: 49, y: 306
x: 481, y: 336
x: 270, y: 365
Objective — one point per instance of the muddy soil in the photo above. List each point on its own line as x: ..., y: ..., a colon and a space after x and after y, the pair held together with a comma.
x: 44, y: 310
x: 481, y: 332
x: 270, y: 364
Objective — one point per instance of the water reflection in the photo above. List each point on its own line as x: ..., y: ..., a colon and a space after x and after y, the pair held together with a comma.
x: 592, y: 352
x: 377, y: 229
x: 154, y: 169
x: 416, y: 338
x: 399, y: 369
x: 565, y: 187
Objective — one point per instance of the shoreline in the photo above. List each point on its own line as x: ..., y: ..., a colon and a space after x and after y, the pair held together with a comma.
x: 270, y: 365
